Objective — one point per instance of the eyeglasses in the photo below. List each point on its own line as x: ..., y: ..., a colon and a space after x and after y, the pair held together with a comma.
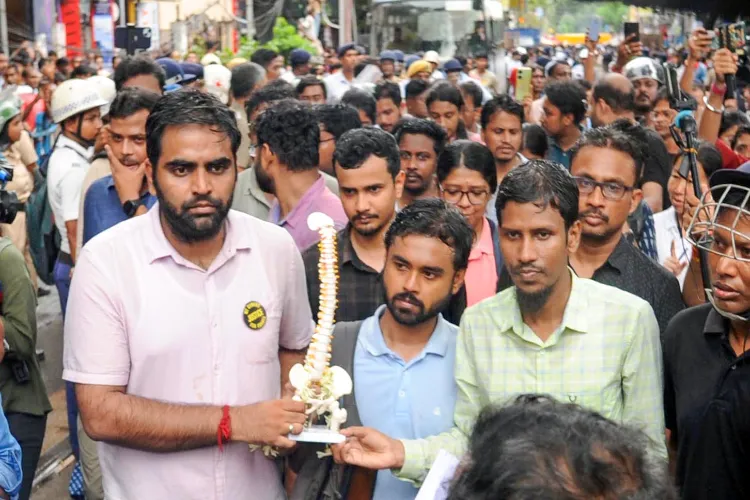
x: 613, y: 191
x: 453, y: 196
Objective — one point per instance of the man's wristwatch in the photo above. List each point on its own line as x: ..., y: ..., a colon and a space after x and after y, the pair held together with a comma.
x: 130, y: 207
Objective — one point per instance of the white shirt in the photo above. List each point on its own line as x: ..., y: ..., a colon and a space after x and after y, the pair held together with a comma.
x: 66, y: 170
x: 668, y: 231
x: 336, y: 86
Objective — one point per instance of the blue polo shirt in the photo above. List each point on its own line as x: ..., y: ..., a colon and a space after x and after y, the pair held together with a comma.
x: 404, y: 400
x: 102, y: 208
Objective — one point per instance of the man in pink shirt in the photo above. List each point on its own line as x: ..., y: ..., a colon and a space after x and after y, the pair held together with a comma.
x: 287, y: 167
x: 181, y: 323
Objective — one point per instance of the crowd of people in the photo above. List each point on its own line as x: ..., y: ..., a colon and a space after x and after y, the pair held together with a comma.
x: 519, y: 279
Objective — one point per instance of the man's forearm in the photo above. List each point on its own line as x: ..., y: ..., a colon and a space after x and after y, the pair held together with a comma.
x: 71, y: 227
x: 686, y: 82
x: 711, y: 121
x: 146, y: 424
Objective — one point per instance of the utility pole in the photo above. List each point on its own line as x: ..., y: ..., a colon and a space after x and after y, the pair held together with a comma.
x: 250, y: 16
x: 4, y: 27
x: 123, y: 12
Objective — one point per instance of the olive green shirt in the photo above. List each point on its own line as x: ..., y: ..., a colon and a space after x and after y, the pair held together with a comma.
x: 18, y: 317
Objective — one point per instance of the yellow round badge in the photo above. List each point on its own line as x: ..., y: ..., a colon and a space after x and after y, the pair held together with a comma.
x: 254, y: 315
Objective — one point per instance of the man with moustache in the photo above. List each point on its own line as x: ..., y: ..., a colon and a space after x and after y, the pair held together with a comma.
x: 402, y: 357
x: 605, y: 164
x: 647, y: 77
x: 420, y: 143
x: 370, y: 181
x: 123, y: 194
x: 502, y: 132
x: 287, y: 167
x: 182, y: 321
x: 552, y: 332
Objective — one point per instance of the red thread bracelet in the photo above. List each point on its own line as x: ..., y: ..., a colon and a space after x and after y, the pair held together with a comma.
x: 224, y: 432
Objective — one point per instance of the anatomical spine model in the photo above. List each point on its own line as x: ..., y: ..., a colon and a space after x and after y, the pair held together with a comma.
x: 317, y: 383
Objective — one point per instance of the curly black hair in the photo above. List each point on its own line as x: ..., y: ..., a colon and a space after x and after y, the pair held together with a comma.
x: 290, y: 129
x: 568, y: 97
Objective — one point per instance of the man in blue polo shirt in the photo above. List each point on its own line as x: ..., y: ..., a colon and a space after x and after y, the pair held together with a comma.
x: 564, y: 109
x: 124, y: 194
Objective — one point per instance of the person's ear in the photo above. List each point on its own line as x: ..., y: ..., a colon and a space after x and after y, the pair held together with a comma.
x: 399, y: 181
x: 458, y: 281
x: 635, y: 200
x: 150, y: 172
x: 574, y: 237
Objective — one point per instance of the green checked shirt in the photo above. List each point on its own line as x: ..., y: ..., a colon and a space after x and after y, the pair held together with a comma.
x: 605, y: 356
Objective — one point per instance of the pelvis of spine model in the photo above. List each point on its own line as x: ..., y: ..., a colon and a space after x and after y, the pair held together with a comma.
x: 340, y: 385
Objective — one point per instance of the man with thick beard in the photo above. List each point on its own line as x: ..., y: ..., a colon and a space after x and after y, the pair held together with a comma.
x: 420, y: 142
x: 647, y: 77
x: 286, y: 166
x: 181, y: 321
x: 402, y: 357
x: 551, y: 333
x: 606, y: 164
x: 370, y: 181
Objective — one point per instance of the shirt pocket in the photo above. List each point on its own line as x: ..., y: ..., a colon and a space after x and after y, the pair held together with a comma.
x: 259, y: 341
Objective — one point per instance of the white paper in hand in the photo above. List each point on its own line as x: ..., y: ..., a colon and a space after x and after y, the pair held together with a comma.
x: 438, y: 481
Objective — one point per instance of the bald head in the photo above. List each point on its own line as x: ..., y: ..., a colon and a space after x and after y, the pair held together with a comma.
x: 614, y: 97
x: 618, y: 82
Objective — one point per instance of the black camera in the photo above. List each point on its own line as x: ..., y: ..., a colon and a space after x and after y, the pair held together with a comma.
x: 9, y: 204
x: 18, y: 367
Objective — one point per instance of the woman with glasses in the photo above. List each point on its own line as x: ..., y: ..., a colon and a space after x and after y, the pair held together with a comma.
x: 467, y: 178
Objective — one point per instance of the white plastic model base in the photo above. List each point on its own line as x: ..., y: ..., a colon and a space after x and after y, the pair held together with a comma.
x: 318, y: 434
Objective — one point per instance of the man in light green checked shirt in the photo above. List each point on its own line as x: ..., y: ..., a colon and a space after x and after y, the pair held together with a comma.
x: 552, y: 333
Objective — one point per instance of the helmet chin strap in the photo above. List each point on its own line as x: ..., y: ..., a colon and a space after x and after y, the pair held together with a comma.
x: 745, y: 317
x: 77, y: 134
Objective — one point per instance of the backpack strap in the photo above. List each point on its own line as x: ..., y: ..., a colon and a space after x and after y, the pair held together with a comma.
x: 344, y: 344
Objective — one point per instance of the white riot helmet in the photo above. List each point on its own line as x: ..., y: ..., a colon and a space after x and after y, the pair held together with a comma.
x: 73, y: 97
x: 644, y: 67
x: 106, y: 88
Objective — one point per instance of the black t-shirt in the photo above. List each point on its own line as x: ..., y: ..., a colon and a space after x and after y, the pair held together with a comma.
x: 658, y: 165
x: 706, y: 401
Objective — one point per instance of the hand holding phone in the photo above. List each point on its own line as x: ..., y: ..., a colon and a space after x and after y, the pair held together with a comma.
x: 632, y: 32
x: 700, y: 43
x: 594, y: 29
x: 523, y: 84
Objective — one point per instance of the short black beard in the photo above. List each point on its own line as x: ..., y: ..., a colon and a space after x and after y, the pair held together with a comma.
x: 265, y: 182
x: 531, y: 303
x: 415, y: 192
x: 422, y: 317
x: 183, y: 225
x: 643, y: 109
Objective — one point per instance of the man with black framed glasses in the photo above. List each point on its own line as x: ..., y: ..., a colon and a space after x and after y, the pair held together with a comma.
x: 606, y: 163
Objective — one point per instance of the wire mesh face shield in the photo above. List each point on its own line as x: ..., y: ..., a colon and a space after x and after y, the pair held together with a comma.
x: 721, y: 226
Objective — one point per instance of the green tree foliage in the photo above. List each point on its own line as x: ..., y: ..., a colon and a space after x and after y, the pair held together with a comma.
x: 285, y: 39
x: 612, y: 14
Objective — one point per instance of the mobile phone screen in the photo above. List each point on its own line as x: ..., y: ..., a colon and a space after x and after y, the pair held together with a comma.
x: 594, y: 28
x: 632, y: 28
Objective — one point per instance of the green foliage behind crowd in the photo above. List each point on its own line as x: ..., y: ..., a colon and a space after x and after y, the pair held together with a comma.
x: 285, y: 39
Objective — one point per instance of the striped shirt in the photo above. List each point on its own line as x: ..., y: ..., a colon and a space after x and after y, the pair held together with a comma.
x: 605, y: 356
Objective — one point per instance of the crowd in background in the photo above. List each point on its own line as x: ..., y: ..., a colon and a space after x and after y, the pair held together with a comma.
x: 501, y: 234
